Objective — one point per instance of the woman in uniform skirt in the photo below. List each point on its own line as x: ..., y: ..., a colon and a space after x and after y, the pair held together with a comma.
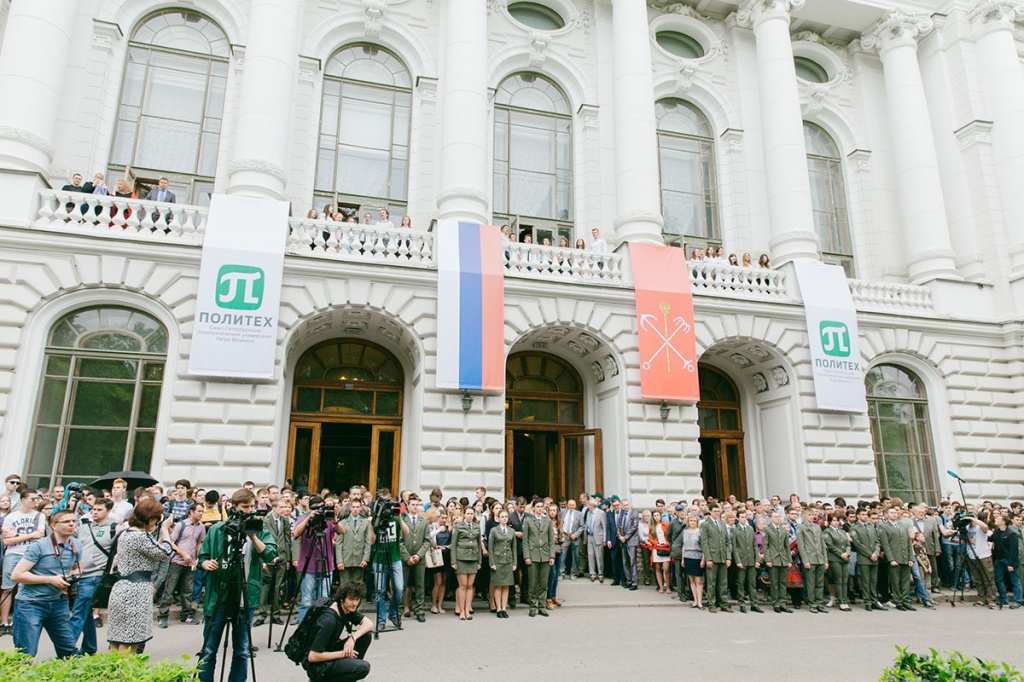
x: 502, y: 553
x: 467, y: 554
x: 492, y: 523
x: 130, y: 616
x: 837, y: 542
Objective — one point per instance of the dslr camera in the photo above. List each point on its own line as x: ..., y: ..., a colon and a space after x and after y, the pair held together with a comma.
x: 72, y: 581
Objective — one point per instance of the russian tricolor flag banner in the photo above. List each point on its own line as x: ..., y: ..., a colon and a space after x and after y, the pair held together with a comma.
x: 470, y: 307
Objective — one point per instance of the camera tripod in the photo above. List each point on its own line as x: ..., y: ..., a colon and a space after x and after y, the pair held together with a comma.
x: 381, y: 568
x: 319, y: 546
x: 234, y: 596
x: 960, y: 559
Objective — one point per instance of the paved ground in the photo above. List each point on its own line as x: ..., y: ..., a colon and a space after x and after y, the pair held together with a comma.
x: 607, y: 633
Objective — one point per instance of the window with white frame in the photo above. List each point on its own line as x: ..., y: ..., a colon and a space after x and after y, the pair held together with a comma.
x: 828, y: 197
x: 686, y: 152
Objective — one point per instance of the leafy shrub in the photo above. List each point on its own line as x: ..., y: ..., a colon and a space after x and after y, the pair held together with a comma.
x: 105, y: 667
x: 947, y: 667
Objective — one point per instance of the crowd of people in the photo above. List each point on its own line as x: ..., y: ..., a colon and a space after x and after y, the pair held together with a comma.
x: 411, y: 557
x: 717, y: 256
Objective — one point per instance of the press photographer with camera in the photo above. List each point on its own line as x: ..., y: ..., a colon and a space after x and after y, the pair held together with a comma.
x: 338, y: 650
x: 232, y: 556
x: 48, y: 573
x: 388, y: 529
x: 317, y: 531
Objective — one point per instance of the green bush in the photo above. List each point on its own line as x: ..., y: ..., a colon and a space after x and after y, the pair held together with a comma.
x: 947, y: 667
x: 105, y: 667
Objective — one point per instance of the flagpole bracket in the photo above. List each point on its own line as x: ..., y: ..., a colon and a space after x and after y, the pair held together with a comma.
x: 664, y: 410
x: 467, y: 401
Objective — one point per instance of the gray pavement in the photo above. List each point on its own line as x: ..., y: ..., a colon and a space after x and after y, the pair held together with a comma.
x: 607, y: 633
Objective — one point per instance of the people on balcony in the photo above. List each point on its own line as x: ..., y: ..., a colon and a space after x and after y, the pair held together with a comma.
x: 598, y: 243
x: 385, y: 221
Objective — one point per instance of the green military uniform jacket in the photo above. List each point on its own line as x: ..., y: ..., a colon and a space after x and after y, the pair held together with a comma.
x: 744, y: 545
x: 281, y: 531
x: 214, y: 547
x: 417, y: 541
x: 501, y: 547
x: 776, y: 545
x: 811, y: 544
x: 355, y: 542
x: 715, y: 542
x: 837, y: 544
x: 538, y: 539
x: 865, y: 541
x: 465, y: 543
x: 896, y: 543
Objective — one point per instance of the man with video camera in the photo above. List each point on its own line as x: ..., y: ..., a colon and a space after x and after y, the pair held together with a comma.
x: 388, y: 528
x: 338, y: 650
x: 317, y: 531
x: 233, y: 553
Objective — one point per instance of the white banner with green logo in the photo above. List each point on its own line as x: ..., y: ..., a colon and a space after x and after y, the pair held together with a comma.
x: 235, y: 329
x: 832, y: 330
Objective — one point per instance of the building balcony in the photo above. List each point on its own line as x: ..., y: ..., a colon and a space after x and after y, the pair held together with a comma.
x: 108, y: 217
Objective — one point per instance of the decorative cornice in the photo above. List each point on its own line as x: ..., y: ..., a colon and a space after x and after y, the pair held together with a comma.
x: 105, y: 34
x: 587, y: 113
x: 931, y: 254
x: 734, y: 138
x: 975, y: 132
x: 638, y: 216
x: 28, y: 138
x: 861, y: 159
x: 260, y: 166
x: 462, y: 192
x: 308, y: 69
x: 896, y: 29
x: 754, y: 12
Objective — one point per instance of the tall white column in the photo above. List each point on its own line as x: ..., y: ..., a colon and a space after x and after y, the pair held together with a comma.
x: 782, y: 132
x: 462, y: 188
x: 260, y: 156
x: 1003, y: 87
x: 637, y: 182
x: 925, y: 228
x: 33, y: 63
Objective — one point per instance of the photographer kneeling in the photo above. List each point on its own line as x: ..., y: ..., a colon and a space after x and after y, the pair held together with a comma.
x: 330, y: 656
x: 227, y: 545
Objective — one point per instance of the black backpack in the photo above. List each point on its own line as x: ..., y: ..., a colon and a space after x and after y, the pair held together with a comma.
x: 298, y: 645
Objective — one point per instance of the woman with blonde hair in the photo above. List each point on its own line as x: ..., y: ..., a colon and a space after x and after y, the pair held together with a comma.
x: 467, y: 556
x: 693, y: 560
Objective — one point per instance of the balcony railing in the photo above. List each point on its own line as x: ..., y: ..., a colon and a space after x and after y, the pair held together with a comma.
x: 136, y: 219
x: 560, y: 263
x: 718, y: 279
x: 891, y: 297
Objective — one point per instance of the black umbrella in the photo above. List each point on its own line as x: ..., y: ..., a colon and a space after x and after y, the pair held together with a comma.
x: 134, y: 479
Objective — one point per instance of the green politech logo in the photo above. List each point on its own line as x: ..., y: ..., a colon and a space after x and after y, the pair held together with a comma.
x: 239, y: 287
x: 835, y: 338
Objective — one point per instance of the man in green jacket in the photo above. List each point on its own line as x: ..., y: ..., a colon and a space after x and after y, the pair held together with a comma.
x: 777, y: 557
x: 899, y: 552
x: 865, y: 542
x: 225, y: 600
x: 352, y: 552
x: 538, y: 555
x: 745, y: 558
x: 811, y: 546
x: 414, y: 548
x: 717, y: 548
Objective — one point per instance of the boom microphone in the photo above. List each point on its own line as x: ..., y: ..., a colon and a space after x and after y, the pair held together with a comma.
x: 950, y: 472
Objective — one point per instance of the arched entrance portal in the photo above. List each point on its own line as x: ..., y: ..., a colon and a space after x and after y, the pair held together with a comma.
x: 723, y: 468
x: 547, y: 450
x: 346, y: 417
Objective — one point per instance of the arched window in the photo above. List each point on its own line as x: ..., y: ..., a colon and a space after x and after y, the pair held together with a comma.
x: 901, y: 434
x: 533, y: 157
x: 172, y: 103
x: 542, y: 388
x: 686, y: 149
x: 97, y: 410
x: 828, y: 197
x: 363, y: 154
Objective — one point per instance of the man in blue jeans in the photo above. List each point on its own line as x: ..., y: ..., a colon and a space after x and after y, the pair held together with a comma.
x: 97, y: 538
x: 387, y: 565
x: 316, y: 555
x: 43, y: 574
x: 257, y: 549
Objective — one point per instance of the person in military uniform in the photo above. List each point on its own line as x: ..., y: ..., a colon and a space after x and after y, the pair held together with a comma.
x: 865, y: 541
x: 539, y: 556
x: 776, y: 557
x: 467, y: 555
x: 279, y: 526
x: 811, y: 547
x: 717, y: 548
x: 744, y: 558
x: 837, y: 542
x: 352, y: 553
x: 501, y: 545
x: 899, y: 552
x: 413, y: 550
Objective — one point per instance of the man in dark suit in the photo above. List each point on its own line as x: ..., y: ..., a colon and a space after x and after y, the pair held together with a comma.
x: 414, y: 548
x: 616, y: 520
x: 279, y: 526
x: 717, y: 548
x: 162, y: 194
x: 675, y: 541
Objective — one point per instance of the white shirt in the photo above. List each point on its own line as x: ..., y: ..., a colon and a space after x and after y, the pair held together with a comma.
x: 599, y: 245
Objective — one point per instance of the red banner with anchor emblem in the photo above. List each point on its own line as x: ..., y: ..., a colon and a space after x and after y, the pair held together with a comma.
x: 664, y: 312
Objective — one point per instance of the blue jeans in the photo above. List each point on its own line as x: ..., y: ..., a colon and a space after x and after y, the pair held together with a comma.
x: 82, y: 623
x: 381, y: 574
x: 915, y: 571
x: 198, y: 580
x: 1000, y: 566
x: 213, y: 630
x: 32, y: 617
x: 314, y: 586
x: 553, y: 576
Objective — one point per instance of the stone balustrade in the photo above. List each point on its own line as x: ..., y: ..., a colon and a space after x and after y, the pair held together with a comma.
x: 120, y: 217
x: 711, y: 278
x: 355, y: 241
x: 891, y: 297
x: 561, y: 263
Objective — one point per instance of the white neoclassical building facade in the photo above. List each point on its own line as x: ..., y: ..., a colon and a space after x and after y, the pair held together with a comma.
x: 881, y: 137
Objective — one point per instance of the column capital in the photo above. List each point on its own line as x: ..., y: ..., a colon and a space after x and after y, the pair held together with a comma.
x: 755, y: 12
x: 996, y: 15
x: 896, y: 29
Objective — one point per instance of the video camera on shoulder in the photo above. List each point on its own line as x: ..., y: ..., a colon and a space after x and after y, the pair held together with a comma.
x: 327, y: 515
x: 244, y: 523
x: 384, y: 510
